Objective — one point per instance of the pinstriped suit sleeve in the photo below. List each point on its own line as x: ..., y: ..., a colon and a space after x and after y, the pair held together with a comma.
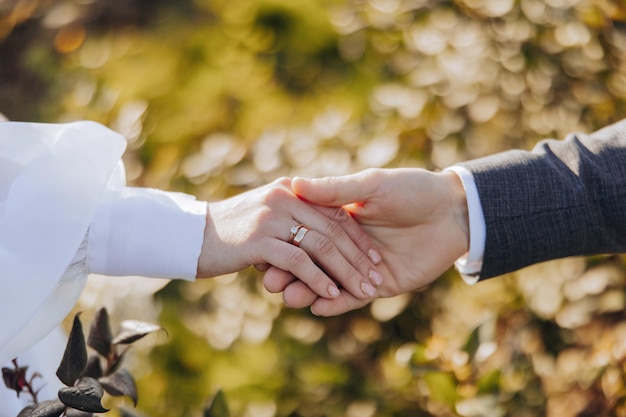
x: 565, y: 198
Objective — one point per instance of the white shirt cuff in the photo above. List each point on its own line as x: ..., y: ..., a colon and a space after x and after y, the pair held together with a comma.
x: 470, y: 264
x: 146, y: 232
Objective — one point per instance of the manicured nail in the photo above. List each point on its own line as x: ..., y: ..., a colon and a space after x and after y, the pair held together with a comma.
x: 368, y: 289
x: 374, y: 256
x: 333, y: 291
x: 375, y: 277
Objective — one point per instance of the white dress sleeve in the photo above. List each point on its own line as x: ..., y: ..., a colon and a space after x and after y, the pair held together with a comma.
x: 65, y: 211
x: 146, y: 232
x: 51, y: 180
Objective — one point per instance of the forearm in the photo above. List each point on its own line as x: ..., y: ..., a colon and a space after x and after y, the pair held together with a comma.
x: 564, y: 198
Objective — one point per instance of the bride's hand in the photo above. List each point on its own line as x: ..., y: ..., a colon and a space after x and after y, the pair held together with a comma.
x: 255, y: 228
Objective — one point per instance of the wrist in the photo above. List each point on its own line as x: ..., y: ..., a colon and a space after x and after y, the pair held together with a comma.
x: 221, y: 252
x: 457, y: 205
x: 212, y: 251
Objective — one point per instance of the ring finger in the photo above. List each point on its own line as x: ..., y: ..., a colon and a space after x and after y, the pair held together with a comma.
x: 324, y: 252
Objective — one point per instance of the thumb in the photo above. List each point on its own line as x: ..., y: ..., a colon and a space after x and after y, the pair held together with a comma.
x: 330, y: 191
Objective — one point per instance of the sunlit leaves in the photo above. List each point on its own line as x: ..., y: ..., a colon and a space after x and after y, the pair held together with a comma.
x: 473, y: 343
x: 490, y: 382
x: 216, y: 97
x: 217, y: 406
x: 442, y: 387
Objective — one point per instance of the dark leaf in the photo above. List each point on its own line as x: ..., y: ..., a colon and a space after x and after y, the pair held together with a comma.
x: 94, y: 367
x: 15, y: 378
x: 120, y: 383
x: 72, y: 412
x: 133, y: 330
x: 85, y: 396
x: 75, y: 357
x: 100, y: 336
x: 117, y: 362
x: 126, y: 412
x: 217, y: 406
x: 52, y: 408
x: 7, y: 377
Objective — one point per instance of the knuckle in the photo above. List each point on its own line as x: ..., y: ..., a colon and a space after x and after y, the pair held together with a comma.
x: 264, y: 214
x: 351, y: 278
x: 334, y: 230
x: 297, y: 257
x: 323, y: 246
x: 362, y: 240
x: 373, y: 175
x: 287, y: 299
x: 354, y: 278
x: 342, y: 216
x: 275, y: 195
x: 283, y: 183
x: 360, y: 259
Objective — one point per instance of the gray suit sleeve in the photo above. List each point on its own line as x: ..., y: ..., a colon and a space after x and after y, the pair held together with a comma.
x: 565, y: 198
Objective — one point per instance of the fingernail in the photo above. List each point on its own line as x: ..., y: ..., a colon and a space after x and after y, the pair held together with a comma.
x: 368, y: 289
x: 375, y: 277
x: 374, y: 256
x: 333, y: 291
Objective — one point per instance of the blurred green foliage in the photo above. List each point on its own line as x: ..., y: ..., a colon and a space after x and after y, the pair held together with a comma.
x: 218, y: 96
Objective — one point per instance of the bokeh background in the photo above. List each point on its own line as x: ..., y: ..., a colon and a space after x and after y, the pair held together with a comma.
x: 218, y: 96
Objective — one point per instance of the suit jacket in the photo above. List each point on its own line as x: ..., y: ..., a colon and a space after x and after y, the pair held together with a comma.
x: 563, y: 198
